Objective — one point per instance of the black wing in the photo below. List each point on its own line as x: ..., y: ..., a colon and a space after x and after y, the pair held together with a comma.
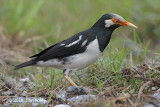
x: 63, y: 49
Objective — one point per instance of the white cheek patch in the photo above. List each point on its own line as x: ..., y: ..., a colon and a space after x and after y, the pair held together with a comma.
x: 108, y: 23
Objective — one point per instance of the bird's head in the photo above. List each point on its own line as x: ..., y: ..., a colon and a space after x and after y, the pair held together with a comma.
x: 112, y: 21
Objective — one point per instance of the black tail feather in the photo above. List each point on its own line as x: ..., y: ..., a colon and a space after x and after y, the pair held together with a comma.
x: 28, y: 63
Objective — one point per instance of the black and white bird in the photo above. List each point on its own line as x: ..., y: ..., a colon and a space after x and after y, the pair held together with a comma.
x: 80, y: 50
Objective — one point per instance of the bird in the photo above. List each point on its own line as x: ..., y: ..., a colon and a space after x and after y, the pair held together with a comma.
x: 79, y: 50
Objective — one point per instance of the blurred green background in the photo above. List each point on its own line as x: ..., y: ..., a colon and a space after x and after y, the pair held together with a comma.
x: 56, y: 20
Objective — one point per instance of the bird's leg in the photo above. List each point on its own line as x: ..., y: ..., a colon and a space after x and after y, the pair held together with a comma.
x: 66, y: 72
x: 69, y: 79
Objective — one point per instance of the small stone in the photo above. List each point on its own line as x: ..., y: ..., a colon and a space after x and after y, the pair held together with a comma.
x: 10, y: 93
x: 157, y: 95
x: 24, y: 84
x: 8, y: 80
x: 6, y: 85
x: 4, y: 105
x: 25, y: 79
x: 61, y: 95
x: 78, y: 90
x: 81, y: 98
x: 62, y: 105
x: 24, y: 93
x: 149, y: 105
x: 154, y: 88
x: 21, y: 82
x: 31, y: 85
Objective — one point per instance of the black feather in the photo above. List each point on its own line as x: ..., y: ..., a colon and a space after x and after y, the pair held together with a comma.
x: 42, y: 52
x: 28, y: 63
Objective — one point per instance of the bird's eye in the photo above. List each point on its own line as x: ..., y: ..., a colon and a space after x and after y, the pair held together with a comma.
x: 116, y: 21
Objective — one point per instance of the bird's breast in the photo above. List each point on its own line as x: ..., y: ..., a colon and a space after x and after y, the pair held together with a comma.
x: 82, y: 60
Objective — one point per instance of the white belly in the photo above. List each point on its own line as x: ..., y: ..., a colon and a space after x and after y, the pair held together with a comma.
x: 82, y: 60
x: 78, y: 61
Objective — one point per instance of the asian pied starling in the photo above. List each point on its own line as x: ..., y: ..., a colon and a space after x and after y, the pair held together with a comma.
x: 80, y: 50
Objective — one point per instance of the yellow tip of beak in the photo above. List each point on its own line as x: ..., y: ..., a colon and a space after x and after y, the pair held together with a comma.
x: 132, y: 25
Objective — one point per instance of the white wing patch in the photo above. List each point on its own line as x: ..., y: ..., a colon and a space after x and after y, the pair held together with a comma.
x: 108, y: 23
x: 62, y: 44
x: 84, y: 43
x: 75, y: 42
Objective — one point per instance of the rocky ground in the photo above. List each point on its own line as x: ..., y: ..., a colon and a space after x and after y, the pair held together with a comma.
x: 21, y: 92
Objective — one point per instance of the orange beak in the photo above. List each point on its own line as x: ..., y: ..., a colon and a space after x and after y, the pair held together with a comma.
x: 126, y: 23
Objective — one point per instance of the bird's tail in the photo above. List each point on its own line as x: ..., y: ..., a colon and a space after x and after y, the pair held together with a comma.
x: 28, y: 63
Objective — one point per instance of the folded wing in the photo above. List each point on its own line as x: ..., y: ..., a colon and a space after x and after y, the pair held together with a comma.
x: 74, y: 45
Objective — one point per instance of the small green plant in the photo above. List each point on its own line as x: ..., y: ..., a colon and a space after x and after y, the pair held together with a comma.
x: 99, y: 83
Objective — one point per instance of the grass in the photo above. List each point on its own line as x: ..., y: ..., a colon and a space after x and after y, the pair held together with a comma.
x: 58, y: 20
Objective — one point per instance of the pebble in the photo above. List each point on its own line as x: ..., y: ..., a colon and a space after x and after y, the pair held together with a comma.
x: 21, y: 82
x: 62, y: 105
x: 24, y: 93
x: 61, y: 95
x: 81, y: 98
x: 24, y: 83
x: 157, y: 95
x: 149, y: 105
x: 25, y: 79
x: 154, y: 88
x: 78, y: 90
x: 8, y: 80
x: 31, y: 85
x: 9, y: 93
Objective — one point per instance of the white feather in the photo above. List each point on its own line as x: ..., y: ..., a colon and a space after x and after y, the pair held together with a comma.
x: 62, y: 44
x: 84, y: 43
x: 75, y: 42
x: 51, y: 63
